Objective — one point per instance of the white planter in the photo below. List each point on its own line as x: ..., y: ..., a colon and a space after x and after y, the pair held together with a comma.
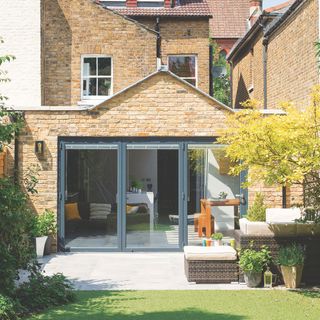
x: 40, y: 245
x: 217, y: 243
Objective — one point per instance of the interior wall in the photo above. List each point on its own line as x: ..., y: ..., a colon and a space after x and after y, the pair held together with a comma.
x: 216, y: 183
x: 142, y: 166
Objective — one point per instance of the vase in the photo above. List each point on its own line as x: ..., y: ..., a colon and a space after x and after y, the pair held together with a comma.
x: 292, y: 276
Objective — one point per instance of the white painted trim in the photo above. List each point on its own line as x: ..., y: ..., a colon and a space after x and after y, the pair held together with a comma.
x: 186, y: 55
x: 83, y: 56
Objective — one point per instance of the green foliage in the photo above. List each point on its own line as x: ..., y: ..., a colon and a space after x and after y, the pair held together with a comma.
x: 254, y: 261
x: 30, y: 179
x: 16, y: 247
x: 221, y: 84
x: 217, y: 236
x: 257, y: 212
x: 277, y: 149
x: 8, y: 308
x: 10, y: 122
x: 41, y: 292
x: 44, y: 224
x: 137, y: 184
x: 292, y: 255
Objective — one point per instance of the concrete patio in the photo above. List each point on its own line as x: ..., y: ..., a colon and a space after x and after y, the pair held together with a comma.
x: 126, y: 271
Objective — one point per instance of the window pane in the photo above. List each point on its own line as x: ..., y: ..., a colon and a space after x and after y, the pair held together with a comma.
x: 92, y: 87
x: 104, y: 86
x: 104, y: 66
x: 89, y: 67
x: 183, y: 66
x: 192, y: 81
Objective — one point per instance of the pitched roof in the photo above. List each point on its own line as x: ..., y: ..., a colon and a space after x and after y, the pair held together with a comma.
x: 184, y: 8
x: 228, y: 18
x: 270, y: 18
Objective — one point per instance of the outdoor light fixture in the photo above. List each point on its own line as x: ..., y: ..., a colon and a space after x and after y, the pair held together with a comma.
x: 268, y: 279
x: 39, y: 147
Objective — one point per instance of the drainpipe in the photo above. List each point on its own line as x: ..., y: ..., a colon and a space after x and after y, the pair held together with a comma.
x: 210, y: 71
x: 265, y: 72
x: 16, y: 154
x: 157, y: 28
x: 231, y: 84
x: 284, y: 197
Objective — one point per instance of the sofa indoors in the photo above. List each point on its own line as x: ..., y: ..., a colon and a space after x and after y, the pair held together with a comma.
x: 83, y: 224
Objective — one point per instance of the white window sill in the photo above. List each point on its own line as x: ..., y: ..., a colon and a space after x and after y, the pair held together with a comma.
x: 90, y: 102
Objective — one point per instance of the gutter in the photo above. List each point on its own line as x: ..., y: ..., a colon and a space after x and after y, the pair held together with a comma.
x: 278, y: 22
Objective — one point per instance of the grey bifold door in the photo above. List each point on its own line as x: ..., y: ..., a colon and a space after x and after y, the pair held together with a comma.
x: 89, y: 206
x: 120, y: 197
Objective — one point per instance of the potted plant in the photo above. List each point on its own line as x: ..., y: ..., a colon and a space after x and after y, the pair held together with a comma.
x: 223, y: 195
x: 252, y: 263
x: 217, y: 239
x: 291, y: 261
x: 44, y: 226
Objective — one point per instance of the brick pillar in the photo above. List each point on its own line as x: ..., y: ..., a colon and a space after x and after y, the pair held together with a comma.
x: 131, y: 3
x: 2, y: 163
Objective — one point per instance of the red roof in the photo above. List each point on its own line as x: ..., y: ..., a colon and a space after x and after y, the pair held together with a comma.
x: 184, y: 8
x: 229, y: 18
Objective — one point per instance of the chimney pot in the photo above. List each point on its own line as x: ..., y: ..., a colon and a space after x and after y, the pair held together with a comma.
x: 255, y: 11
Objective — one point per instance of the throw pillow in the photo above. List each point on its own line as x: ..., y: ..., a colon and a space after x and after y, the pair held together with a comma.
x: 72, y: 211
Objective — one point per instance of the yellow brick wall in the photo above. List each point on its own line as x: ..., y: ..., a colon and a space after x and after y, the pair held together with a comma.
x: 161, y: 106
x: 72, y: 28
x: 292, y: 64
x: 185, y: 36
x: 2, y: 164
x: 248, y: 72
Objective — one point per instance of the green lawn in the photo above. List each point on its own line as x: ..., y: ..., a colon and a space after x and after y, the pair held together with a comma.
x: 202, y: 305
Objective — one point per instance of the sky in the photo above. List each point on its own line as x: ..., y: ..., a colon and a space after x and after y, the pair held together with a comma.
x: 270, y: 3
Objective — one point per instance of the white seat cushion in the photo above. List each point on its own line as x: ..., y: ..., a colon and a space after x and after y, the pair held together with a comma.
x: 210, y: 253
x: 275, y: 215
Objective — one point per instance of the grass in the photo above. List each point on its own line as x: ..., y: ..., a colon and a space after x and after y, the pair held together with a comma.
x: 146, y: 227
x: 187, y: 305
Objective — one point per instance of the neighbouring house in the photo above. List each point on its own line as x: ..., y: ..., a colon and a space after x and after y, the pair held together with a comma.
x: 276, y: 62
x: 119, y: 121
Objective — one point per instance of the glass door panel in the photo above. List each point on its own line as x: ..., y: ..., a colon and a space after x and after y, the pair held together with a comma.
x: 152, y: 196
x: 91, y: 187
x: 208, y: 178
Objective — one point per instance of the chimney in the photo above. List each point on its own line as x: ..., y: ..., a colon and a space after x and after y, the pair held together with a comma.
x: 255, y: 11
x: 169, y: 3
x: 131, y: 3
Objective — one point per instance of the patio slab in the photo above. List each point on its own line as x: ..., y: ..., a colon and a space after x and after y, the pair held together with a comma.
x: 127, y: 271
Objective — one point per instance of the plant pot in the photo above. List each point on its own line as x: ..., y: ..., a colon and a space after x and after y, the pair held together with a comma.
x: 252, y: 279
x: 292, y: 276
x: 40, y: 245
x: 217, y: 243
x: 47, y: 248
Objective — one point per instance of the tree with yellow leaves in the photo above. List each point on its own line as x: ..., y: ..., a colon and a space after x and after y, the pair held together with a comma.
x: 277, y: 149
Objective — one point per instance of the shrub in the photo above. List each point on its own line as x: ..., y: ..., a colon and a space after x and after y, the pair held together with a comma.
x: 292, y: 255
x: 41, y: 292
x: 16, y: 249
x: 217, y: 236
x: 254, y: 261
x: 44, y: 224
x: 7, y: 308
x: 257, y: 212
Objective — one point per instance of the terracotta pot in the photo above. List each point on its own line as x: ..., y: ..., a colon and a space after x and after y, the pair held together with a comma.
x: 292, y: 276
x: 252, y: 279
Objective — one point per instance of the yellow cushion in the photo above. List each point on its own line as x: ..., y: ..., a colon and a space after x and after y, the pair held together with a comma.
x: 72, y: 211
x: 132, y: 209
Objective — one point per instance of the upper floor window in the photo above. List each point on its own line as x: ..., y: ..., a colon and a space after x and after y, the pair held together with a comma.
x: 185, y: 67
x: 96, y: 77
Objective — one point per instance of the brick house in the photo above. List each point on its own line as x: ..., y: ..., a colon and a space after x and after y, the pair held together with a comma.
x: 275, y: 61
x: 119, y: 121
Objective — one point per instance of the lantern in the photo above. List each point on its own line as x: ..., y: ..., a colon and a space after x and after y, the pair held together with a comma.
x: 268, y: 279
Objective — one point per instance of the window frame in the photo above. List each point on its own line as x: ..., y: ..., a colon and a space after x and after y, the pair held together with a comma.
x: 84, y: 56
x: 196, y: 67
